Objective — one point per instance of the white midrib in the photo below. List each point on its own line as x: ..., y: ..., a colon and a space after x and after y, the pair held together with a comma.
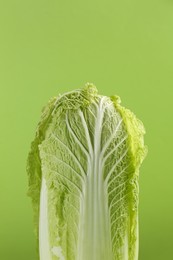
x: 103, y: 234
x: 94, y: 230
x: 44, y: 247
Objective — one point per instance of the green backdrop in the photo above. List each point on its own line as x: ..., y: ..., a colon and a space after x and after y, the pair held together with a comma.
x: 48, y: 47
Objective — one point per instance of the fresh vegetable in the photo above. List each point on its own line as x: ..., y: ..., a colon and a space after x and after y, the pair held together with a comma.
x: 83, y: 171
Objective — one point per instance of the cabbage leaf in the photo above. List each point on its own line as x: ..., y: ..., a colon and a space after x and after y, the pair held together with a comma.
x: 83, y: 170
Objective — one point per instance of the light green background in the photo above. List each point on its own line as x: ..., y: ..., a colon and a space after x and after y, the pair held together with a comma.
x: 51, y: 46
